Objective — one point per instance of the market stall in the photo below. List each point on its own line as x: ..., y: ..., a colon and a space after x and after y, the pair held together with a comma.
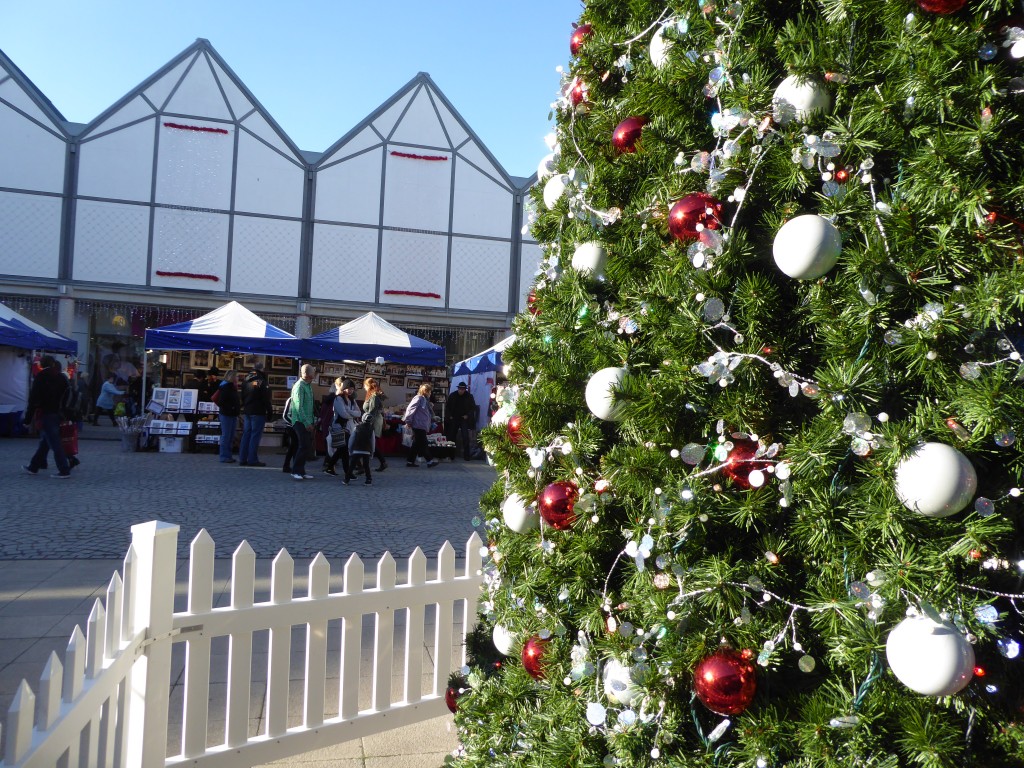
x: 229, y: 329
x: 371, y: 346
x: 19, y: 336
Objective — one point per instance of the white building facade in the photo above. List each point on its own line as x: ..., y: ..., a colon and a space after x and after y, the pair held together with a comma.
x: 186, y: 194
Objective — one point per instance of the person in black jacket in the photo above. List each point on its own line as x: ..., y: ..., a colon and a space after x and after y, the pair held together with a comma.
x: 230, y: 405
x: 256, y: 409
x: 462, y: 413
x: 45, y: 400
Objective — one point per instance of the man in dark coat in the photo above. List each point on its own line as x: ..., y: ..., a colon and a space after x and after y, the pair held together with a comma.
x: 256, y: 409
x: 462, y: 413
x: 45, y: 399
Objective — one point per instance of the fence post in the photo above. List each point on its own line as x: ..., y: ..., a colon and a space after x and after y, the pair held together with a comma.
x: 156, y: 549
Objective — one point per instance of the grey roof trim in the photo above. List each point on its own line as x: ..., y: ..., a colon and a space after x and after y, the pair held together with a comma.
x: 438, y: 232
x: 294, y: 161
x: 203, y: 47
x: 437, y: 114
x: 368, y: 120
x: 41, y: 193
x: 118, y: 128
x: 466, y: 127
x: 62, y: 135
x: 363, y: 151
x: 405, y: 111
x: 504, y: 185
x: 36, y: 95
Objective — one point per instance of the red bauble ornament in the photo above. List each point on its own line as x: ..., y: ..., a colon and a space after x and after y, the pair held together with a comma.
x: 515, y: 429
x: 451, y: 697
x: 579, y: 35
x: 556, y: 504
x: 941, y: 6
x: 627, y: 133
x: 533, y: 656
x: 725, y: 682
x: 741, y: 462
x: 577, y: 92
x: 842, y: 176
x: 531, y: 303
x: 697, y: 209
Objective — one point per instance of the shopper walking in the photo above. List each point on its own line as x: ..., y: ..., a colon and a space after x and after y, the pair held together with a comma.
x: 45, y: 400
x: 370, y: 427
x: 302, y: 420
x: 256, y: 409
x: 346, y: 413
x: 105, y: 401
x: 229, y: 405
x: 419, y: 416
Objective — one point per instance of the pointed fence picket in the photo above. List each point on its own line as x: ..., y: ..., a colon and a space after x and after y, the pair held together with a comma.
x: 107, y: 704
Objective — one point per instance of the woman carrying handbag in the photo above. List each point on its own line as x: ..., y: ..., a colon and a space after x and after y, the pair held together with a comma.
x: 419, y: 415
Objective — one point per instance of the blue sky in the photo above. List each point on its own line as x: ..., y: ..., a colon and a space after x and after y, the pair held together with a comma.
x: 318, y: 66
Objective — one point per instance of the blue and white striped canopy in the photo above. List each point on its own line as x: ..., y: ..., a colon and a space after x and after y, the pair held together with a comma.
x: 369, y: 337
x: 231, y: 328
x: 18, y: 331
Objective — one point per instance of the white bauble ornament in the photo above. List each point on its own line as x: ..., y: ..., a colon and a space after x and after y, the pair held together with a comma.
x: 547, y: 166
x: 518, y: 515
x: 618, y: 683
x: 807, y: 247
x: 659, y: 48
x: 936, y: 480
x: 503, y: 640
x: 590, y: 258
x: 554, y: 188
x: 797, y: 99
x: 930, y: 657
x: 599, y: 393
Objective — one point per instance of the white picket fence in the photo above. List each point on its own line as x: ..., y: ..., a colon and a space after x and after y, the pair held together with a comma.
x: 108, y: 704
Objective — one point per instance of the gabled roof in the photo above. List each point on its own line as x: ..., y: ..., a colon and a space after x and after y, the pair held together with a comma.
x: 194, y: 74
x: 229, y: 328
x: 369, y: 337
x: 419, y: 114
x: 31, y: 102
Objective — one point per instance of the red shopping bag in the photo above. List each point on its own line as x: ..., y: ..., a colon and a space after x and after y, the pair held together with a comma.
x: 69, y: 438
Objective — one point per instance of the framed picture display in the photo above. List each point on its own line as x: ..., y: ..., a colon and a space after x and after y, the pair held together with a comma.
x: 199, y: 358
x: 333, y: 369
x: 290, y: 381
x: 414, y: 370
x: 442, y: 384
x: 225, y: 361
x: 374, y: 369
x: 355, y: 370
x: 396, y: 381
x: 281, y: 363
x: 325, y: 380
x: 277, y: 380
x: 248, y: 361
x: 413, y: 383
x: 435, y: 373
x: 395, y: 369
x: 440, y: 397
x: 279, y: 396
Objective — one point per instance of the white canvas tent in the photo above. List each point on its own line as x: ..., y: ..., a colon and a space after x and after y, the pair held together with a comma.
x: 479, y: 373
x: 370, y: 337
x: 19, y: 336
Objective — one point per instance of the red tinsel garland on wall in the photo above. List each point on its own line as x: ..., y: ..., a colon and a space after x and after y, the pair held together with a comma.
x: 411, y: 156
x: 414, y: 293
x: 199, y: 128
x: 194, y: 275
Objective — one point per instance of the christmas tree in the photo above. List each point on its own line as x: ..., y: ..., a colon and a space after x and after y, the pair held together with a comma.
x: 759, y: 483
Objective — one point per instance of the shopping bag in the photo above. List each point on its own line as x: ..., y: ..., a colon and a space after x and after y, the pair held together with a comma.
x: 69, y: 437
x: 407, y: 437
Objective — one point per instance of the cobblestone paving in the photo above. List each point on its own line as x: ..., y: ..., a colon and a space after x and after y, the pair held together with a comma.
x: 90, y: 516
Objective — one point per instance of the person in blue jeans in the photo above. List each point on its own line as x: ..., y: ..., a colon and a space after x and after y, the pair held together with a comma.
x: 44, y: 407
x: 256, y: 409
x: 230, y: 406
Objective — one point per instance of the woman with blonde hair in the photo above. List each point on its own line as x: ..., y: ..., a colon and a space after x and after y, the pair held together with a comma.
x: 364, y: 437
x: 419, y: 415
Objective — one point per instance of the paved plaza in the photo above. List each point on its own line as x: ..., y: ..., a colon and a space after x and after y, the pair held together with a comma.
x: 60, y: 542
